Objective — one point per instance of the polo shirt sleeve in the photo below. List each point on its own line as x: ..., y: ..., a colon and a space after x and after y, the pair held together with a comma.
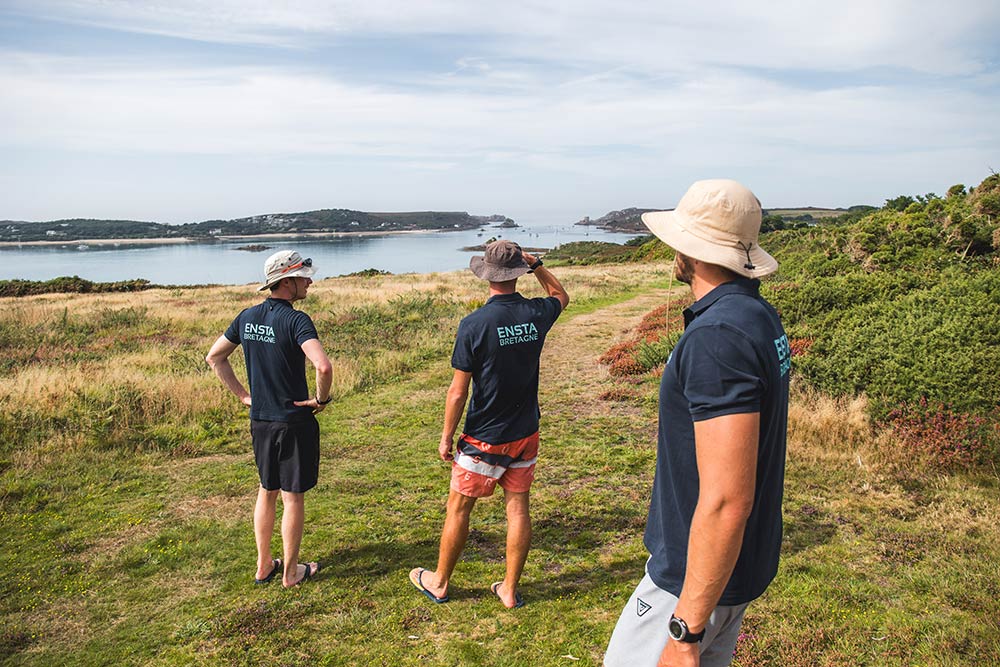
x: 233, y: 332
x: 303, y: 328
x: 462, y: 356
x: 720, y: 373
x: 553, y: 308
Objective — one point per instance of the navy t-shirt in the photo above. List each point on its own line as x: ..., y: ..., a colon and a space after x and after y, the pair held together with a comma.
x: 272, y: 334
x: 733, y: 358
x: 500, y: 344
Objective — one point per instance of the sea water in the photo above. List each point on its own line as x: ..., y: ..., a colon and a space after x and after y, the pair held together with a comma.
x: 223, y: 263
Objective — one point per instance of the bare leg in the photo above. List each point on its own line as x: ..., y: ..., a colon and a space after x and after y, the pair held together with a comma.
x: 453, y: 537
x: 263, y: 529
x: 518, y: 543
x: 292, y: 519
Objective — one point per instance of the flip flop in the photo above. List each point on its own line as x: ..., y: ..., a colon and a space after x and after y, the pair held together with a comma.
x: 309, y: 573
x: 518, y: 600
x: 275, y: 566
x: 415, y: 575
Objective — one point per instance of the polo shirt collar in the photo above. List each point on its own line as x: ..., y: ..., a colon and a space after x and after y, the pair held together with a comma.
x: 505, y: 298
x: 746, y: 286
x: 274, y: 301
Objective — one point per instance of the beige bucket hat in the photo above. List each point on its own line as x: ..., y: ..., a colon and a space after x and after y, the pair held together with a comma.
x: 285, y: 264
x: 502, y: 261
x: 716, y: 221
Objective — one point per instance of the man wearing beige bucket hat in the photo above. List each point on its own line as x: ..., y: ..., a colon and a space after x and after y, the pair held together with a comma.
x: 276, y: 340
x: 497, y: 350
x: 714, y: 526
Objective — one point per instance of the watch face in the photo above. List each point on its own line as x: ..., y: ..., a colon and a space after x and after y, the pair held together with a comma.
x: 676, y: 628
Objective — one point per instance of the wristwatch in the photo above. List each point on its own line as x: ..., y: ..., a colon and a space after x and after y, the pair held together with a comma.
x: 538, y: 263
x: 678, y: 631
x: 328, y: 399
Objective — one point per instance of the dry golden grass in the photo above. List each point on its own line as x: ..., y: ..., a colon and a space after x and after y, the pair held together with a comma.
x: 821, y: 428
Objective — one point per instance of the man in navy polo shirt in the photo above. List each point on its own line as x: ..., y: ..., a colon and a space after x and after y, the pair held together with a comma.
x: 714, y: 526
x: 276, y: 341
x: 497, y: 349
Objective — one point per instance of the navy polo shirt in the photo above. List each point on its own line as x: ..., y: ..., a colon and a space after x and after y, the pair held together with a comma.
x: 733, y: 358
x: 500, y: 344
x: 272, y: 334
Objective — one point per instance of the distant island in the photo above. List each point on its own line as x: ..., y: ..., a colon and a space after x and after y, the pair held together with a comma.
x: 329, y: 221
x: 630, y: 219
x: 625, y: 220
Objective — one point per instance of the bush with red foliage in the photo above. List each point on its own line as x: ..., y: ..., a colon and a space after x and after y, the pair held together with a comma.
x: 800, y: 346
x: 626, y: 358
x: 944, y: 438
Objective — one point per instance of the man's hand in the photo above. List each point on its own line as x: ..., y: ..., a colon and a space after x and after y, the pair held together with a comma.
x: 312, y: 403
x: 530, y: 259
x: 444, y: 449
x: 245, y: 400
x: 679, y: 654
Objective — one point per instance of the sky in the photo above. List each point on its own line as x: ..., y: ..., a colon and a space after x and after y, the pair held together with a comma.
x: 551, y: 110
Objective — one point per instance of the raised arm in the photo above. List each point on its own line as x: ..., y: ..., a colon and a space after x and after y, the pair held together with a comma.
x: 548, y: 281
x: 218, y: 359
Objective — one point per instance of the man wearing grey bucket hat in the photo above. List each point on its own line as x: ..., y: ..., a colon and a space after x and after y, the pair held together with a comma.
x: 497, y: 351
x: 714, y: 526
x: 276, y: 340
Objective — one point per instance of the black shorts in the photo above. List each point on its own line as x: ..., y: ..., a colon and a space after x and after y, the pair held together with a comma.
x: 287, y: 454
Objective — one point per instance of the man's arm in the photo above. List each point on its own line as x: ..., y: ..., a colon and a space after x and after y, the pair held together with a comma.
x: 726, y: 449
x: 218, y: 359
x: 324, y: 375
x: 548, y: 281
x: 458, y: 392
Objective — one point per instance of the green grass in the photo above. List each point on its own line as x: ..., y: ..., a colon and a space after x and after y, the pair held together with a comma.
x: 121, y: 552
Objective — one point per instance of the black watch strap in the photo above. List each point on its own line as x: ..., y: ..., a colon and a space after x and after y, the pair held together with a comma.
x: 678, y: 631
x: 328, y: 399
x: 538, y: 263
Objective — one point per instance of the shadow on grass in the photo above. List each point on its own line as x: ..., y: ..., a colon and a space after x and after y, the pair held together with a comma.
x: 808, y: 527
x: 379, y: 559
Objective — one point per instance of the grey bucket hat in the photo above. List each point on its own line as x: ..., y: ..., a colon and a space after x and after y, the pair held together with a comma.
x: 502, y: 261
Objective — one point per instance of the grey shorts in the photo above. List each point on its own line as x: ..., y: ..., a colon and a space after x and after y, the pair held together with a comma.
x: 641, y: 632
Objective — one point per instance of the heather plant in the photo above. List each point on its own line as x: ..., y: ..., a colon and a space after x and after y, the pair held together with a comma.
x: 934, y: 433
x: 650, y: 343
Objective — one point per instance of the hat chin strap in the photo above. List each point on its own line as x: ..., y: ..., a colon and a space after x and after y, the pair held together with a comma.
x: 746, y: 248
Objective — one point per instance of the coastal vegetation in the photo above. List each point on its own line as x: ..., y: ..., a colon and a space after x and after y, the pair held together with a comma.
x: 308, y: 222
x: 69, y: 284
x: 127, y: 481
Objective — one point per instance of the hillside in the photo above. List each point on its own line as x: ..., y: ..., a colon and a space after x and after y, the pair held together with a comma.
x: 630, y: 219
x: 901, y: 304
x: 326, y: 220
x: 625, y: 220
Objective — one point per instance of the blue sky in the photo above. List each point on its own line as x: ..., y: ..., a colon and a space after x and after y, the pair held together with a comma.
x: 545, y: 111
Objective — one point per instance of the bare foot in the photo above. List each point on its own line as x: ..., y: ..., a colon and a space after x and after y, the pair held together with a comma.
x: 304, y: 571
x: 514, y: 601
x: 427, y: 583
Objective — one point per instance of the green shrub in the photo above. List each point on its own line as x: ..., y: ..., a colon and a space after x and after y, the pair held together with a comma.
x: 940, y: 342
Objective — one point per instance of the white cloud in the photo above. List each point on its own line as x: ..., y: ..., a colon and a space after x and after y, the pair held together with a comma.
x: 952, y: 37
x: 604, y: 102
